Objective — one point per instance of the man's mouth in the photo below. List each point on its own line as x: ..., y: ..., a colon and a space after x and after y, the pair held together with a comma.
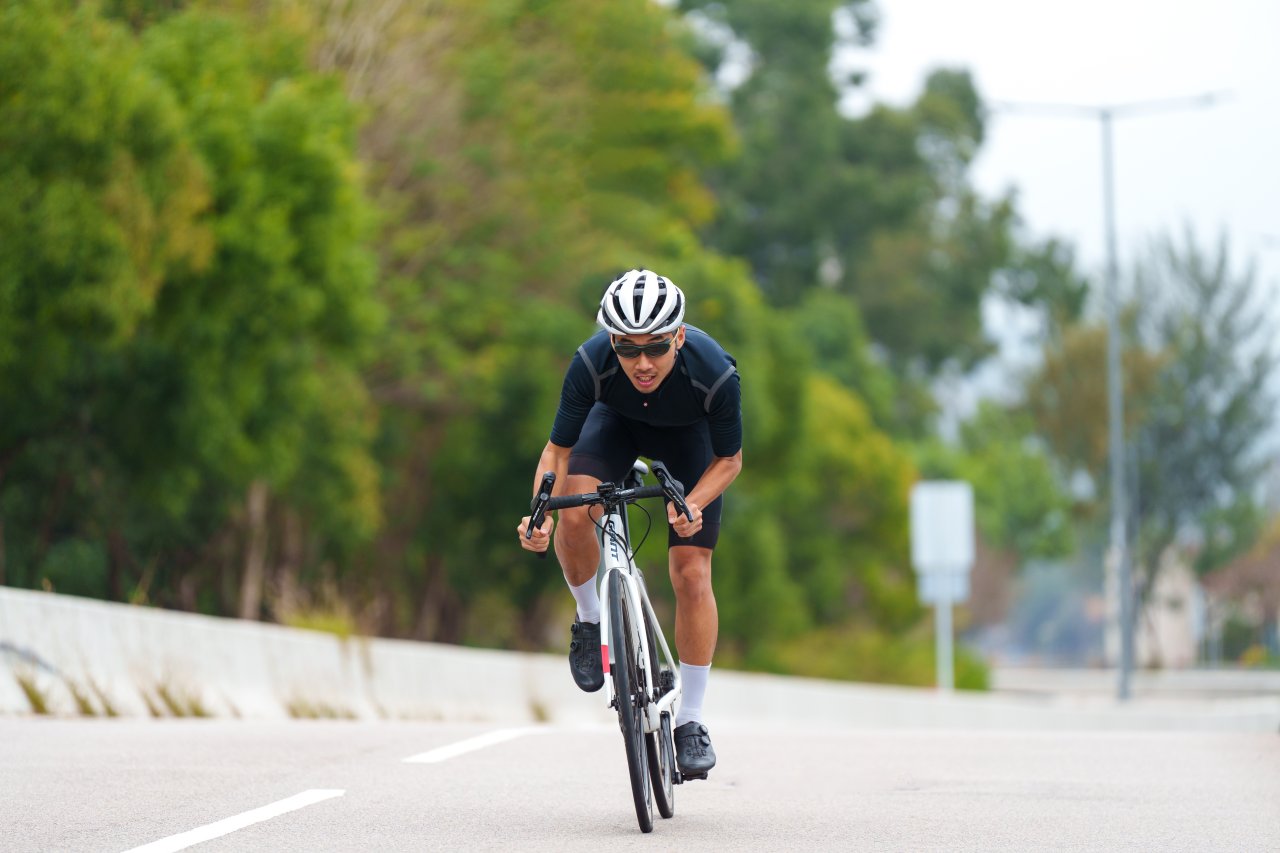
x: 645, y: 380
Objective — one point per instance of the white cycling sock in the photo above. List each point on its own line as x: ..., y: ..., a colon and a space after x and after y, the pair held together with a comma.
x: 588, y: 601
x: 693, y: 686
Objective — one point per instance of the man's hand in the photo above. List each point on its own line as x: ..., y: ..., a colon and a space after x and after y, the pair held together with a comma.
x: 684, y: 527
x: 541, y: 536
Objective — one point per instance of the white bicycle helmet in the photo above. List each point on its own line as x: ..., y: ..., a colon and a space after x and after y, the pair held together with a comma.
x: 641, y: 302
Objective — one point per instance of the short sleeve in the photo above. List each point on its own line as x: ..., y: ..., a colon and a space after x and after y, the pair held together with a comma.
x: 577, y: 396
x: 725, y: 417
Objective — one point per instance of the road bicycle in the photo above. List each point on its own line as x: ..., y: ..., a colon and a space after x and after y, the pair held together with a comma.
x: 642, y: 680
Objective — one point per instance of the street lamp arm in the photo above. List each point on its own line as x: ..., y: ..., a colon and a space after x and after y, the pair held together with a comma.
x: 1159, y: 105
x: 1207, y: 99
x: 1045, y: 108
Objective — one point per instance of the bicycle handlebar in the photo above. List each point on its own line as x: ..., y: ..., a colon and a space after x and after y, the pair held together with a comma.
x: 605, y: 495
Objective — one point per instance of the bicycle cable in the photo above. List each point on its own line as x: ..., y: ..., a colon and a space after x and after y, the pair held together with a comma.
x: 632, y: 554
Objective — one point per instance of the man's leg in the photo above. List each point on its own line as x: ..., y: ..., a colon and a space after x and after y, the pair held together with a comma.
x: 579, y: 554
x: 697, y: 625
x: 575, y: 535
x: 697, y: 621
x: 604, y: 451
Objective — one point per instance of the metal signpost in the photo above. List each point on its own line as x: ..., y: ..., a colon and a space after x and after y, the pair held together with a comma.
x: 942, y: 554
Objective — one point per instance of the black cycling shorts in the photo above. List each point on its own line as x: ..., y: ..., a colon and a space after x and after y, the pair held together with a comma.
x: 608, y: 447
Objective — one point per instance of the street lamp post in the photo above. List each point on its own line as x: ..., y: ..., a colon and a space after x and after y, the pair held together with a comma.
x: 1115, y: 382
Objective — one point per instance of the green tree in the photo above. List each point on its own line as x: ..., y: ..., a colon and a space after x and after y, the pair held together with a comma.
x: 192, y: 302
x: 102, y: 199
x: 1020, y: 504
x: 1196, y: 446
x: 1046, y: 277
x: 1196, y: 363
x: 523, y: 153
x: 878, y: 207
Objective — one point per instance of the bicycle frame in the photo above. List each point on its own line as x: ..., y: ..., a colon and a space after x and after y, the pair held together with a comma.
x: 615, y: 558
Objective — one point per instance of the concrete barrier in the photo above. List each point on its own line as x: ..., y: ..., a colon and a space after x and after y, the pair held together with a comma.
x: 66, y: 656
x: 1166, y: 683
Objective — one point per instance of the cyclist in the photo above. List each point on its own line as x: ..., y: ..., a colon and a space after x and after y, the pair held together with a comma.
x: 646, y: 384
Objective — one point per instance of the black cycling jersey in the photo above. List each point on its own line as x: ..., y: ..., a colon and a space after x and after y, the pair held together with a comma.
x: 703, y: 386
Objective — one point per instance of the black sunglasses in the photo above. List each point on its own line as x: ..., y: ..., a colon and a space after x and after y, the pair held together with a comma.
x: 652, y: 350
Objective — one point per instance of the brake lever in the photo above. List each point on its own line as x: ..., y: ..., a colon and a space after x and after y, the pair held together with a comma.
x: 538, y: 508
x: 672, y: 488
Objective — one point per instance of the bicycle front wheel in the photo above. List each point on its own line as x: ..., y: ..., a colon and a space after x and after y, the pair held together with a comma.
x: 662, y: 758
x: 630, y: 696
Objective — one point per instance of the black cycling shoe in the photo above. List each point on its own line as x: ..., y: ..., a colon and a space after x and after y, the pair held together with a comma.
x: 694, y: 755
x: 584, y: 656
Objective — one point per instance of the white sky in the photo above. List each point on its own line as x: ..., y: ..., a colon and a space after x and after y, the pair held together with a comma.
x: 1217, y: 169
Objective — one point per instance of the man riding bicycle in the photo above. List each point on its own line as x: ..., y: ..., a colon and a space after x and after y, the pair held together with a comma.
x: 647, y: 385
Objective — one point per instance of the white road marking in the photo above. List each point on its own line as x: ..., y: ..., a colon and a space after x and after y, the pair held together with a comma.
x: 453, y: 750
x: 205, y: 833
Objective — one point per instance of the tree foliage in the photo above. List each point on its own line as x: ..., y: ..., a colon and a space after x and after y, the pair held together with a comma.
x: 188, y: 303
x: 292, y: 288
x: 1195, y: 446
x: 1197, y: 358
x: 877, y: 207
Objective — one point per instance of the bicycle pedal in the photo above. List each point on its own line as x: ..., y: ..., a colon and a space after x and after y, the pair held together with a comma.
x: 689, y: 777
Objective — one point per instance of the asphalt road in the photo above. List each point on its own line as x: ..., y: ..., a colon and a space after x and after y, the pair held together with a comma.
x: 117, y: 785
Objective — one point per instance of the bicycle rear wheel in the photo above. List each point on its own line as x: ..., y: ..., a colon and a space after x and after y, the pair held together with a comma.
x: 630, y: 697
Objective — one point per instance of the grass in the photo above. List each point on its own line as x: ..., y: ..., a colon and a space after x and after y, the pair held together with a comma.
x: 851, y: 653
x: 108, y: 707
x: 303, y: 709
x: 336, y: 623
x: 152, y: 707
x: 83, y: 705
x: 180, y: 704
x: 39, y: 702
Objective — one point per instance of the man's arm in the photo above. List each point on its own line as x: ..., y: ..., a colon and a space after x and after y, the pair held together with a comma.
x: 554, y: 458
x: 722, y: 471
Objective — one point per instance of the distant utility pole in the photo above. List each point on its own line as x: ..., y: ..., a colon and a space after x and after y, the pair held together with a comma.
x: 1115, y: 389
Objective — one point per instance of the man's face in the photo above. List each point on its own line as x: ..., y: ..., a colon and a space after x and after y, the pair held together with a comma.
x: 645, y: 371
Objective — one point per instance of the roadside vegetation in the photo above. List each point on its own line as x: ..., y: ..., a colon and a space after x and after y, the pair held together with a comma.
x: 288, y: 288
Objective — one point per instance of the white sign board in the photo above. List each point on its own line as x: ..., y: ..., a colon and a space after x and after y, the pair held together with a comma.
x: 942, y: 538
x: 942, y: 553
x: 933, y: 588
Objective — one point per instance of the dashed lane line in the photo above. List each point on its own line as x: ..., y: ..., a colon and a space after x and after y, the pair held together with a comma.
x: 228, y: 825
x: 453, y: 750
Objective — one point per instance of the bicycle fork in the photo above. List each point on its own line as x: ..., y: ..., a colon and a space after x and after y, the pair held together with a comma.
x: 615, y: 560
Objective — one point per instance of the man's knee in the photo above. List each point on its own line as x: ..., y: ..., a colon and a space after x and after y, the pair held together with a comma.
x: 690, y: 570
x: 577, y: 525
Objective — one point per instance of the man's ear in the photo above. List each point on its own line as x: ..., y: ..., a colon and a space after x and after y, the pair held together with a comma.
x: 680, y: 336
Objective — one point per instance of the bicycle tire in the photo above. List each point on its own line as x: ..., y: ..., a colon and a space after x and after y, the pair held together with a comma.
x: 661, y: 747
x: 630, y: 699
